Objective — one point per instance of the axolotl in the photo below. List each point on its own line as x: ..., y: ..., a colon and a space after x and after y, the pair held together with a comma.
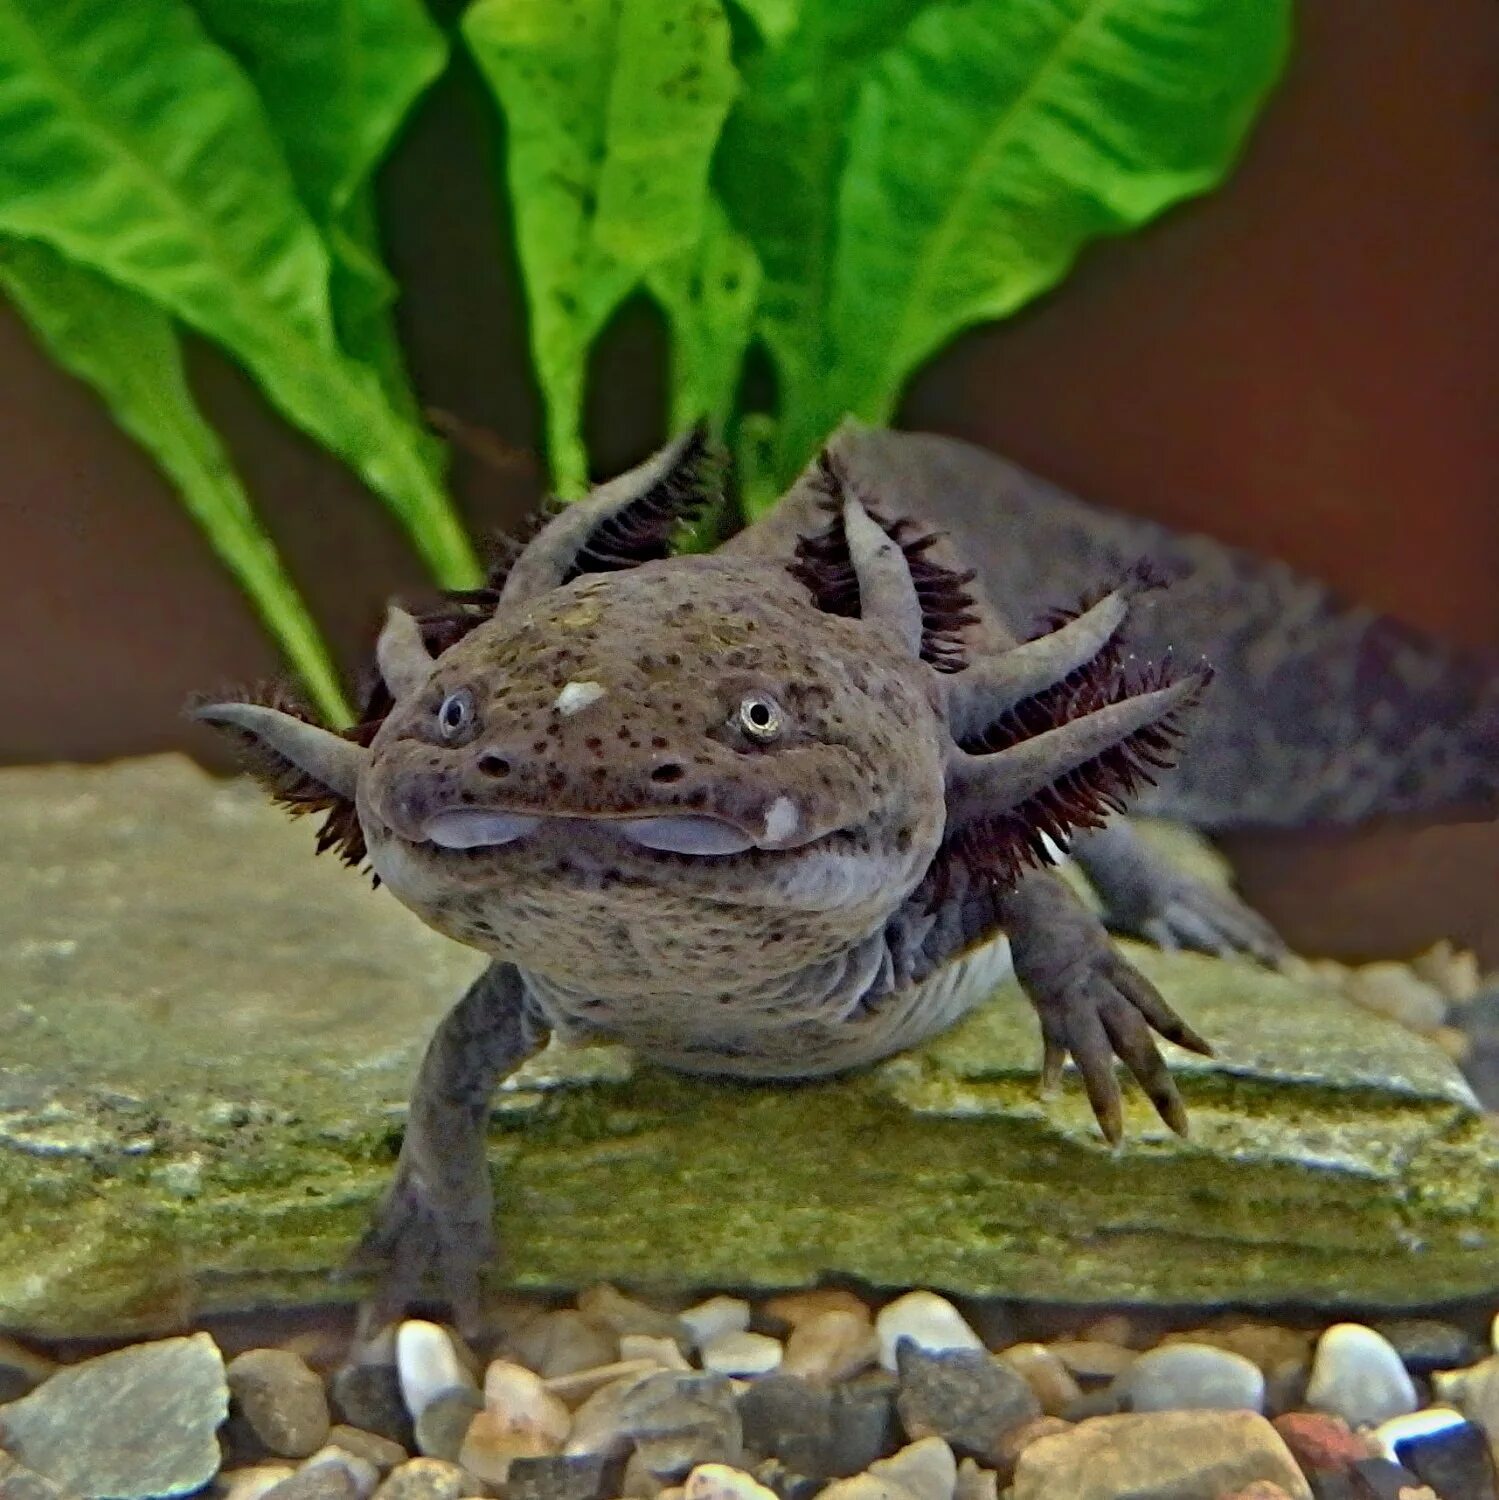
x: 786, y: 808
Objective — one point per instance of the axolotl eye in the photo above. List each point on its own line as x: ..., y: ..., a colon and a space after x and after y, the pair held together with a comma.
x: 455, y: 713
x: 761, y: 718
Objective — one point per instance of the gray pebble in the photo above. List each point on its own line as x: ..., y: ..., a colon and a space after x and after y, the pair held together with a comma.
x: 1427, y: 1344
x: 281, y: 1401
x: 679, y: 1420
x: 963, y: 1395
x: 383, y: 1452
x: 786, y: 1484
x: 82, y: 1427
x: 816, y: 1432
x: 556, y: 1477
x: 368, y: 1396
x: 316, y: 1482
x: 445, y: 1420
x: 1193, y: 1377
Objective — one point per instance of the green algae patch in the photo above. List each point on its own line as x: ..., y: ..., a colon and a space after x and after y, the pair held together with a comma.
x: 206, y: 1038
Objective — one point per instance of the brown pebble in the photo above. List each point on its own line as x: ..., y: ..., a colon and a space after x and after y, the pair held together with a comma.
x: 1261, y: 1489
x: 1112, y: 1328
x: 1092, y: 1359
x: 1268, y: 1345
x: 427, y: 1479
x: 248, y: 1482
x: 831, y: 1346
x: 1047, y: 1376
x: 576, y: 1389
x: 384, y: 1453
x: 794, y: 1308
x: 562, y: 1343
x: 316, y: 1482
x: 281, y: 1400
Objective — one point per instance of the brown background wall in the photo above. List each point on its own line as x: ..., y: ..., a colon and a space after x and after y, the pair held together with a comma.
x: 1303, y: 364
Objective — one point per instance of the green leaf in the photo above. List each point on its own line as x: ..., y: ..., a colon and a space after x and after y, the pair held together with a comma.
x: 136, y: 147
x: 775, y: 20
x: 337, y: 78
x: 612, y: 110
x: 128, y: 351
x: 987, y: 145
x: 782, y: 159
x: 709, y: 293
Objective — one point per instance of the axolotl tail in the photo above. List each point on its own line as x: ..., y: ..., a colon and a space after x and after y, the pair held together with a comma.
x: 1319, y: 712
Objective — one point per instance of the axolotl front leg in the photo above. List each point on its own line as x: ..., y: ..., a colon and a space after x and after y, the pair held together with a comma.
x: 435, y: 1226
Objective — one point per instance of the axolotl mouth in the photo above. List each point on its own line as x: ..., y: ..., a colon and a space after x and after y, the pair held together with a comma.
x: 668, y: 833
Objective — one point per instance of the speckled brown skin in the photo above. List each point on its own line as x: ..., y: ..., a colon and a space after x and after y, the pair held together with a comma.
x: 865, y: 877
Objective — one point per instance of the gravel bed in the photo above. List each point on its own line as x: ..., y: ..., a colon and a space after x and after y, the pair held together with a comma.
x: 820, y: 1393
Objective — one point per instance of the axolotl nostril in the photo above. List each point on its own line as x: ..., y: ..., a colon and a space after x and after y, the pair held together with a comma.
x: 783, y: 810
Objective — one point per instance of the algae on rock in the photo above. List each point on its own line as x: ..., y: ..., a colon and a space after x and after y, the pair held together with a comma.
x: 207, y: 1037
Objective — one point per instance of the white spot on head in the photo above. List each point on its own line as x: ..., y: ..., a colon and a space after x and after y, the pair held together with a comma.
x: 576, y: 695
x: 781, y: 821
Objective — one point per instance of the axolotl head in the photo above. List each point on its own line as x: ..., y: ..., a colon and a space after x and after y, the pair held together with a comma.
x: 640, y: 772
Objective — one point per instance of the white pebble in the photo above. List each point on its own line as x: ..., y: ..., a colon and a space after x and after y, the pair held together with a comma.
x: 718, y: 1315
x: 724, y: 1482
x: 1416, y: 1424
x: 1357, y: 1375
x: 932, y: 1321
x: 1494, y: 1334
x: 1193, y: 1377
x: 427, y: 1364
x: 364, y: 1474
x: 742, y: 1354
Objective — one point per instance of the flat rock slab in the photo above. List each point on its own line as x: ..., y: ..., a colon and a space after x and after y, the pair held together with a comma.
x: 207, y: 1035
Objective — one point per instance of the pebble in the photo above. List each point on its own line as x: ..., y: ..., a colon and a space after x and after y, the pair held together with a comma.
x: 1193, y: 1377
x: 281, y: 1401
x: 1359, y: 1377
x: 1379, y: 1479
x: 1443, y: 1449
x: 679, y: 1421
x: 20, y: 1483
x: 1261, y: 1489
x: 723, y: 1482
x: 557, y: 1478
x: 368, y: 1396
x: 975, y: 1483
x: 607, y: 1305
x: 1045, y: 1374
x: 785, y: 1484
x: 598, y: 1429
x: 864, y: 1487
x: 21, y: 1369
x: 1009, y: 1448
x: 1179, y: 1453
x: 1093, y: 1359
x: 1427, y: 1344
x: 562, y: 1343
x: 575, y: 1389
x: 1394, y: 990
x: 814, y: 1431
x: 795, y: 1308
x: 426, y: 1479
x: 521, y: 1419
x: 705, y: 1321
x: 250, y: 1482
x: 363, y: 1473
x: 370, y: 1446
x: 428, y: 1365
x: 929, y: 1321
x: 1268, y: 1345
x: 1452, y: 970
x: 1322, y: 1444
x: 926, y: 1469
x: 963, y: 1395
x: 1478, y: 1397
x: 444, y: 1422
x: 742, y: 1354
x: 830, y: 1346
x: 659, y: 1353
x: 82, y: 1427
x: 322, y: 1482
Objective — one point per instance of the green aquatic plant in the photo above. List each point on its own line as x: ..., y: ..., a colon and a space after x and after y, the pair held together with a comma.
x: 843, y: 186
